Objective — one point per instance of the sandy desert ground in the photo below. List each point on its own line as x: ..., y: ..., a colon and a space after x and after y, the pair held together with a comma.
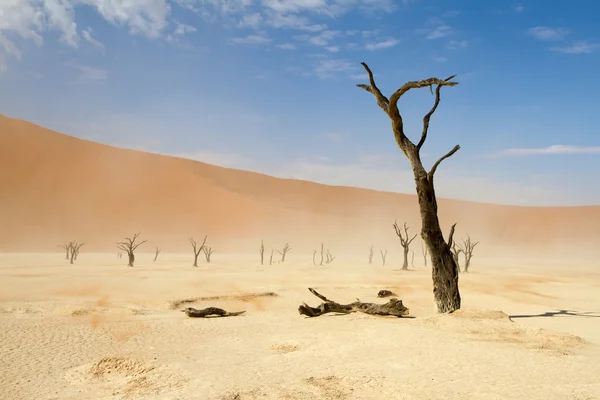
x: 100, y: 330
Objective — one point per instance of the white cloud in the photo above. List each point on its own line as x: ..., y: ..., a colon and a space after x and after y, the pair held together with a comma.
x: 287, y: 46
x: 550, y: 150
x: 439, y: 59
x: 457, y: 44
x: 253, y: 20
x: 519, y: 8
x: 437, y: 32
x: 87, y: 35
x: 90, y: 74
x: 32, y: 19
x: 331, y: 68
x: 386, y: 44
x: 252, y: 39
x: 333, y: 49
x: 581, y: 47
x: 546, y: 33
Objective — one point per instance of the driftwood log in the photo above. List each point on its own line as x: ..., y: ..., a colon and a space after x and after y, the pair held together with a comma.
x: 219, y: 312
x: 393, y: 307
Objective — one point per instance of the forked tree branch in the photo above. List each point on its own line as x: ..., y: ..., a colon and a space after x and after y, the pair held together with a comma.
x: 438, y: 162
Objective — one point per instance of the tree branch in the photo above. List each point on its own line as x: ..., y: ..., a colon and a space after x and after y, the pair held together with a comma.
x: 382, y: 101
x: 447, y: 155
x: 393, y: 102
x: 427, y: 117
x: 451, y: 235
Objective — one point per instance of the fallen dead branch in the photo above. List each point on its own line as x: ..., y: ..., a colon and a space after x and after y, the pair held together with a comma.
x: 386, y: 293
x: 219, y: 312
x: 393, y: 307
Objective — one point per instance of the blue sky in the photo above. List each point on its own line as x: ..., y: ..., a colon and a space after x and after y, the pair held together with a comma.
x: 269, y: 86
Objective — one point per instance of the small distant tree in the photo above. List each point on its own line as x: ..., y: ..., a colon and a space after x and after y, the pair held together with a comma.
x: 208, y: 251
x: 412, y: 259
x: 405, y: 242
x: 74, y: 250
x: 371, y: 254
x: 262, y: 252
x: 271, y: 258
x: 284, y: 251
x: 67, y: 248
x: 456, y: 250
x: 328, y: 257
x: 467, y: 248
x: 383, y: 256
x: 129, y: 246
x: 424, y: 251
x: 197, y: 250
x: 156, y: 253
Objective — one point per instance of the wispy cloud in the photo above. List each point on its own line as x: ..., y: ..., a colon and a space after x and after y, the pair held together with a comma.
x: 86, y: 73
x: 87, y: 35
x: 547, y: 33
x: 457, y: 44
x: 550, y: 150
x: 287, y: 46
x: 519, y: 8
x: 581, y: 47
x: 252, y: 39
x: 385, y: 44
x: 333, y: 137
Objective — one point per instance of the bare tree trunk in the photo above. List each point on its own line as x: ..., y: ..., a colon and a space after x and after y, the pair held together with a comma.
x: 262, y: 252
x: 444, y: 271
x: 405, y: 262
x: 131, y: 258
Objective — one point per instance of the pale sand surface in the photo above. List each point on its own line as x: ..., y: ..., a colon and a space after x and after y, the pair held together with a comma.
x: 100, y: 330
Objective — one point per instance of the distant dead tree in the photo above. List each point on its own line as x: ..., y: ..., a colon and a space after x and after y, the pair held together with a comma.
x: 467, y: 248
x: 119, y: 255
x: 371, y: 254
x: 444, y: 270
x: 405, y: 242
x: 67, y: 248
x: 424, y: 251
x: 156, y: 253
x: 328, y: 257
x: 208, y: 251
x: 383, y: 256
x: 412, y: 259
x: 74, y: 246
x: 271, y: 258
x: 129, y: 246
x: 456, y: 250
x: 284, y: 251
x: 262, y: 252
x: 197, y: 250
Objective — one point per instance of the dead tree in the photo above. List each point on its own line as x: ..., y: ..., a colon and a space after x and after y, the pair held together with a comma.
x: 328, y: 257
x: 208, y: 251
x: 156, y: 253
x: 393, y: 307
x: 262, y: 252
x: 405, y: 242
x: 74, y: 250
x: 467, y: 248
x: 217, y: 312
x: 119, y: 255
x: 284, y: 251
x: 444, y: 271
x: 67, y: 248
x: 383, y: 256
x: 129, y: 246
x: 371, y: 254
x: 322, y: 255
x: 412, y: 259
x: 456, y: 250
x: 197, y: 250
x: 424, y: 251
x: 271, y: 258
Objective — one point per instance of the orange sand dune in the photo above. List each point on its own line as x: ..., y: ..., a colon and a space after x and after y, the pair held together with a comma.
x: 54, y: 188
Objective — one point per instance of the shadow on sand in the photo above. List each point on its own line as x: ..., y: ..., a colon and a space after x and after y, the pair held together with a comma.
x: 566, y: 313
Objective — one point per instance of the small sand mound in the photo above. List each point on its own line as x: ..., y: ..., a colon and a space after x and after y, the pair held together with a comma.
x: 240, y: 297
x: 481, y: 314
x: 284, y: 348
x: 123, y: 366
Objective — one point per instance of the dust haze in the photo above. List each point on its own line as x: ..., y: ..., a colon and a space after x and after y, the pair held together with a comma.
x: 529, y: 326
